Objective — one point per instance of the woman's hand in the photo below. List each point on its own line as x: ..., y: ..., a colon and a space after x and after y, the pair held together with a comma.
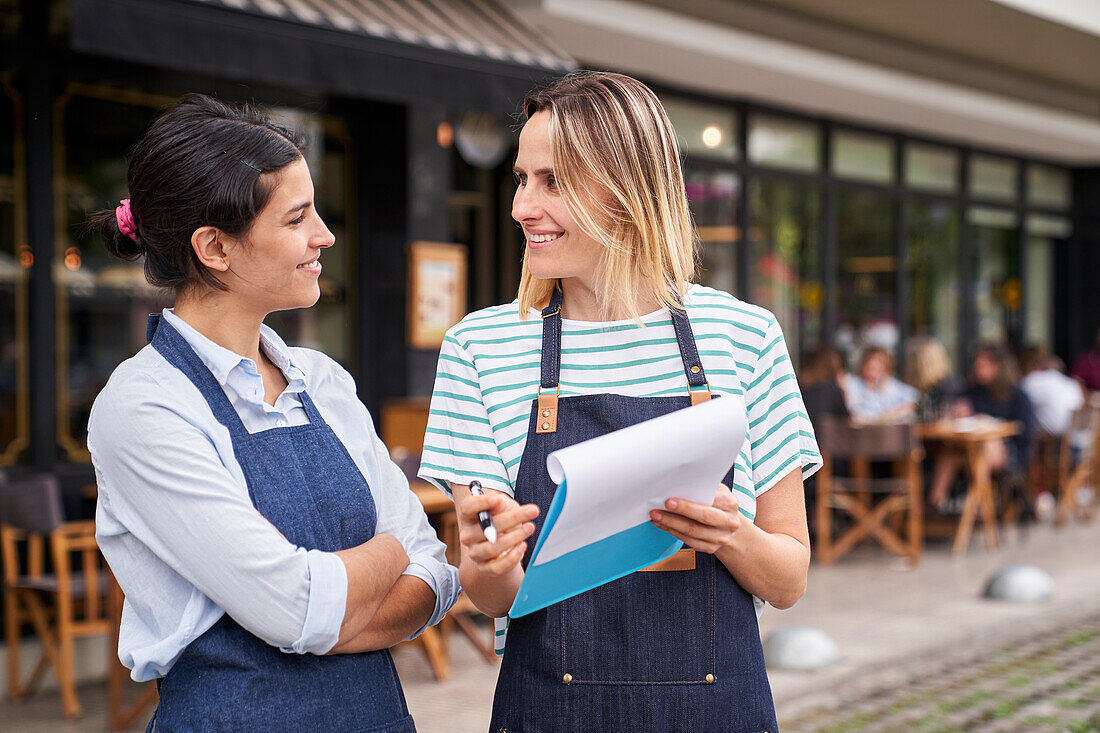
x: 513, y: 525
x: 704, y: 528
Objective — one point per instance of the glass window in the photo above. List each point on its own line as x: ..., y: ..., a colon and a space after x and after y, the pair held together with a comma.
x: 712, y: 195
x: 931, y: 167
x: 14, y: 261
x: 103, y: 302
x: 867, y: 276
x: 1048, y: 186
x: 786, y: 265
x: 1044, y: 235
x: 992, y: 178
x: 863, y: 157
x: 931, y: 258
x: 784, y: 143
x: 327, y: 325
x: 703, y: 130
x: 995, y: 270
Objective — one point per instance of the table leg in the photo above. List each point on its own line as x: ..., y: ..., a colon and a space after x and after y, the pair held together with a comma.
x: 979, y: 497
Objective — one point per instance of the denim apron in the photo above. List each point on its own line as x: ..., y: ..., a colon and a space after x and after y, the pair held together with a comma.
x: 665, y: 651
x: 303, y: 481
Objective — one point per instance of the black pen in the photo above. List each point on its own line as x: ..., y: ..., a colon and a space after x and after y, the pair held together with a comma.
x: 484, y: 518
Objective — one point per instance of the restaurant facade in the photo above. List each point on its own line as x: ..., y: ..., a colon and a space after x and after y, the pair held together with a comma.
x: 865, y: 182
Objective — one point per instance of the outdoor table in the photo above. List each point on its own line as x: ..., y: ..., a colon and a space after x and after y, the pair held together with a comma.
x: 972, y: 434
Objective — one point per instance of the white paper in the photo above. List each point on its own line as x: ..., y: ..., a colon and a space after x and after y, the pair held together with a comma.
x: 615, y: 480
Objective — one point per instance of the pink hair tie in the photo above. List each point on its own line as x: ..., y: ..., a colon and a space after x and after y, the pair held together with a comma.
x: 126, y: 223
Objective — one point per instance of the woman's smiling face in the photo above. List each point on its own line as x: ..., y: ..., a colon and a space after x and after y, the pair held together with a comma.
x: 278, y: 266
x: 556, y: 246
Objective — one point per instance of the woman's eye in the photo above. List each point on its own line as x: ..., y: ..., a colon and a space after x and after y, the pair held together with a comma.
x: 299, y: 220
x: 521, y: 180
x: 551, y: 182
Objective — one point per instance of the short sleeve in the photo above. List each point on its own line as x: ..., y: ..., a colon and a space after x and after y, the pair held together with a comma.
x: 459, y: 445
x: 780, y: 435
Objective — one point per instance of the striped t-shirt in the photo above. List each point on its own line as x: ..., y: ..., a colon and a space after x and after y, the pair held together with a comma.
x: 489, y: 370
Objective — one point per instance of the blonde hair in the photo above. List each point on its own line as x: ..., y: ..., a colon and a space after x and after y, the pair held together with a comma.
x: 617, y: 165
x: 926, y: 362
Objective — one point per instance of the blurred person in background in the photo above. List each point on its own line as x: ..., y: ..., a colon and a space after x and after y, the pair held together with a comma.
x: 874, y: 394
x: 993, y: 392
x: 1086, y: 367
x: 819, y: 378
x: 928, y: 370
x: 1052, y: 394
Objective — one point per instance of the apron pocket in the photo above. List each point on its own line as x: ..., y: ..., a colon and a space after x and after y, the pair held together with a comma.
x: 646, y: 628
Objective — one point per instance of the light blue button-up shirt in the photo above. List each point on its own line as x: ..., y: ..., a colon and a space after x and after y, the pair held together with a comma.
x: 176, y: 524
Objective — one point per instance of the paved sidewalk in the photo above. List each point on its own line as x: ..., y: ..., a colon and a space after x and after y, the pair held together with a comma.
x: 1046, y: 682
x: 919, y: 650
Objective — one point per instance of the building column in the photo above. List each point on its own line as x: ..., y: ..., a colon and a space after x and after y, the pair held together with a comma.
x: 430, y: 174
x: 380, y: 153
x: 1081, y: 306
x: 37, y: 83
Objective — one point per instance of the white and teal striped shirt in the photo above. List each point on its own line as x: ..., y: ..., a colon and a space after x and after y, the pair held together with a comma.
x: 489, y: 368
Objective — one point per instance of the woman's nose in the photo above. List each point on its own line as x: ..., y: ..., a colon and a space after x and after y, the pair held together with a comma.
x: 524, y: 205
x: 325, y: 237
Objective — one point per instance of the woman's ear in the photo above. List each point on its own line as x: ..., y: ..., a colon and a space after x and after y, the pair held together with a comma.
x: 208, y: 248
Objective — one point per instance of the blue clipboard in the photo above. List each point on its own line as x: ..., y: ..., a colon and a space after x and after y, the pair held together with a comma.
x: 590, y: 566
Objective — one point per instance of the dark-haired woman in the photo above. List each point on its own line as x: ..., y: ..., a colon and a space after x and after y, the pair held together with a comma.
x: 269, y: 550
x: 993, y: 392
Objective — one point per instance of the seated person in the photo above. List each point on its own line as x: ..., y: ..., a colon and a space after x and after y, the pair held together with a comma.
x: 928, y: 369
x: 819, y: 378
x: 1054, y: 396
x: 1086, y: 367
x: 875, y: 395
x: 993, y: 393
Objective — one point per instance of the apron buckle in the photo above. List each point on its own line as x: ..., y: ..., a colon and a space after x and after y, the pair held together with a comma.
x: 546, y: 421
x: 699, y: 396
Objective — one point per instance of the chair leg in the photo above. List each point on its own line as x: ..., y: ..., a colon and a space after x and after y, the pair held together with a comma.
x: 436, y: 653
x: 11, y: 639
x: 66, y: 669
x: 916, y: 511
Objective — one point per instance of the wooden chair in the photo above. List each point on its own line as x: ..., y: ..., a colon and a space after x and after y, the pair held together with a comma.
x: 61, y: 605
x: 853, y: 494
x: 404, y: 422
x: 1085, y: 423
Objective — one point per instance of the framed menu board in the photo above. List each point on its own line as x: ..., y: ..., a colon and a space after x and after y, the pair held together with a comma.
x: 437, y: 291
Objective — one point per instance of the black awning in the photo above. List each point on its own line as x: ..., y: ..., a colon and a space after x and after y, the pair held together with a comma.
x: 457, y: 53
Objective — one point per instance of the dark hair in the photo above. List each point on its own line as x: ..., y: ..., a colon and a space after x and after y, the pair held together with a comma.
x: 871, y: 352
x: 201, y: 163
x: 820, y: 364
x: 1007, y: 370
x: 1033, y: 357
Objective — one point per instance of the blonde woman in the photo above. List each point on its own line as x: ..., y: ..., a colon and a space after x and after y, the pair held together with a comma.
x: 608, y: 330
x: 928, y: 369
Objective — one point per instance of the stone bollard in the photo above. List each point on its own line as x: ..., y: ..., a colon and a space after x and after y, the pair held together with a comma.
x: 799, y: 647
x: 1019, y: 584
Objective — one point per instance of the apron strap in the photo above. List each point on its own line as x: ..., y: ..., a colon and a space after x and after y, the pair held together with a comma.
x: 311, y: 409
x: 693, y: 365
x: 551, y: 342
x: 175, y: 349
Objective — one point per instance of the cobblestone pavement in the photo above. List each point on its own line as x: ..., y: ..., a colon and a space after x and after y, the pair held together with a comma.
x: 1049, y: 682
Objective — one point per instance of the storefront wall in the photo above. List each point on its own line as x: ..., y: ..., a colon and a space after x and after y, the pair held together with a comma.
x: 858, y: 237
x: 69, y: 313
